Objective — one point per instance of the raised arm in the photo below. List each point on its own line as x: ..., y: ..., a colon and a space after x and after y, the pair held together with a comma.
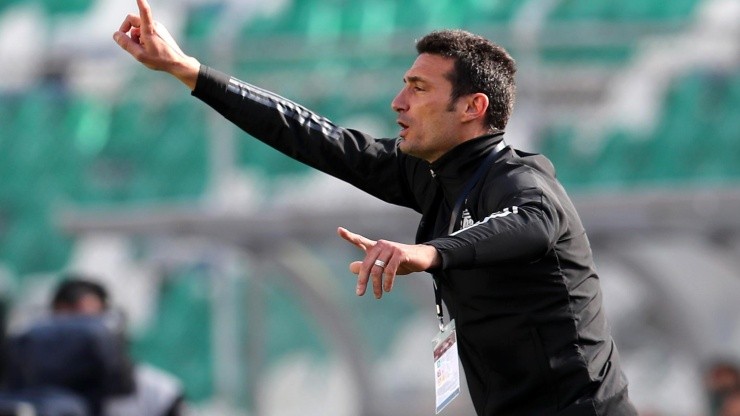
x: 150, y: 43
x: 372, y: 165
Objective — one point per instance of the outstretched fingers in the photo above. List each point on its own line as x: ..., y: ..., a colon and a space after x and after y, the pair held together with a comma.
x: 372, y: 270
x: 373, y: 267
x: 390, y: 272
x: 383, y: 261
x: 380, y: 266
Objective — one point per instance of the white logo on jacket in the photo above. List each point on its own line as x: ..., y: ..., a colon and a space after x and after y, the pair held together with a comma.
x: 500, y: 214
x: 467, y: 220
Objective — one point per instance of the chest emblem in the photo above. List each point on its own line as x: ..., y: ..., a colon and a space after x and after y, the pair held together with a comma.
x: 467, y: 220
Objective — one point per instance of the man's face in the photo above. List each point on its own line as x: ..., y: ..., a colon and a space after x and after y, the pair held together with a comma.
x: 90, y: 305
x: 87, y: 304
x: 430, y: 125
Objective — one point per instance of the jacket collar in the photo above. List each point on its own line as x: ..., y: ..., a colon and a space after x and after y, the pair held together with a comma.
x: 455, y: 167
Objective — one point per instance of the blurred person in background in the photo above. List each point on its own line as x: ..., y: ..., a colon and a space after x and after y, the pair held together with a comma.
x: 155, y: 393
x: 499, y: 235
x: 71, y: 361
x: 721, y: 379
x: 82, y: 349
x: 730, y: 405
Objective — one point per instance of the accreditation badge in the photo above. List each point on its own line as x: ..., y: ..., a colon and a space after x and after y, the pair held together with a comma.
x: 446, y: 366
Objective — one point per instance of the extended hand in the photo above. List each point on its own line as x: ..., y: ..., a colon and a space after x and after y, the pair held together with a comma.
x: 152, y: 45
x: 399, y: 259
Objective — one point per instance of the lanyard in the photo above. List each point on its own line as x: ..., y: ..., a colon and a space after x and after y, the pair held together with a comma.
x: 497, y: 149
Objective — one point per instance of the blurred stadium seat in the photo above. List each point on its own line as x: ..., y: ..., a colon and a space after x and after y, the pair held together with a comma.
x: 630, y: 10
x: 66, y: 7
x: 695, y: 141
x: 178, y: 340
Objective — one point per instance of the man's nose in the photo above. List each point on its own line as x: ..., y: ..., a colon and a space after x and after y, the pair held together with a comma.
x: 399, y: 102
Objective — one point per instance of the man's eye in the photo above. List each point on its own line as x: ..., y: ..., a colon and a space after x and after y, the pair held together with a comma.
x: 417, y: 88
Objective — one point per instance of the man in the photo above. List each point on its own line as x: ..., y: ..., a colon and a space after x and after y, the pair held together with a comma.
x: 76, y: 356
x: 82, y: 349
x: 502, y: 240
x: 153, y: 392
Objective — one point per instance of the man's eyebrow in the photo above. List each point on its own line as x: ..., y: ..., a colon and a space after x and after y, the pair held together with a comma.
x: 413, y: 79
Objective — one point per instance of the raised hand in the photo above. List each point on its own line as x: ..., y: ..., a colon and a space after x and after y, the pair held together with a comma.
x: 150, y: 43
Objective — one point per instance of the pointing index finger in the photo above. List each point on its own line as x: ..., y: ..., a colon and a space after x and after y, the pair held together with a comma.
x: 146, y: 14
x: 356, y: 239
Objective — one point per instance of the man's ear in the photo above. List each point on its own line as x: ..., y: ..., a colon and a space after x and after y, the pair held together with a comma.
x: 476, y: 106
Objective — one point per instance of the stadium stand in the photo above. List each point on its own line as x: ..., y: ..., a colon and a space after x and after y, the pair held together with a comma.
x: 56, y: 8
x: 183, y: 325
x: 695, y: 141
x: 630, y: 11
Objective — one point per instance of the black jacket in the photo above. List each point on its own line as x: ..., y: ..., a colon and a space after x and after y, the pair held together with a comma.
x: 63, y: 357
x: 519, y: 280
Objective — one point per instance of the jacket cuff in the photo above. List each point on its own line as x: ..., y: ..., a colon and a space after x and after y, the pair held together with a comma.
x: 210, y: 83
x: 453, y: 253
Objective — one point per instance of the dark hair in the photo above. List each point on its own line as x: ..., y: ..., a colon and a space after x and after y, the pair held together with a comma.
x: 73, y: 287
x: 480, y: 66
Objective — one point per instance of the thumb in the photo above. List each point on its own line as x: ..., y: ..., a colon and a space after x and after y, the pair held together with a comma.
x: 354, y: 267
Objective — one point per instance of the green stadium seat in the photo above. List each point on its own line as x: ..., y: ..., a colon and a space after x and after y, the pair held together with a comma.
x: 287, y: 328
x: 371, y: 21
x: 33, y: 154
x: 677, y: 9
x: 445, y: 14
x: 87, y: 124
x: 291, y: 21
x: 573, y: 165
x: 178, y: 155
x: 682, y: 100
x: 257, y: 156
x: 32, y: 245
x: 179, y: 338
x: 152, y: 152
x: 66, y: 7
x: 5, y: 4
x: 620, y: 160
x: 484, y: 12
x: 324, y: 22
x: 725, y: 143
x: 628, y: 10
x: 591, y: 12
x: 8, y: 109
x: 420, y: 16
x: 580, y: 55
x: 571, y: 10
x: 202, y: 20
x: 132, y: 124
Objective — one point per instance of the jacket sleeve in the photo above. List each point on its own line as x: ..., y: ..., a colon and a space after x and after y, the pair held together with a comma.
x: 372, y: 165
x: 522, y: 227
